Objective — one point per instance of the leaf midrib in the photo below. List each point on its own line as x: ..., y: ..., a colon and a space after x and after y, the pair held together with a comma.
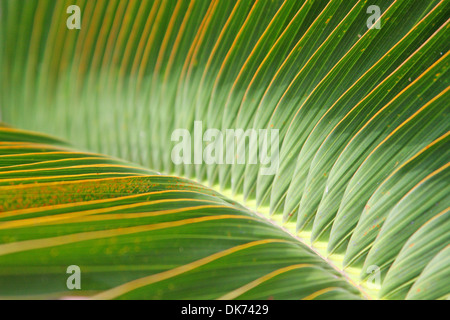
x: 352, y: 279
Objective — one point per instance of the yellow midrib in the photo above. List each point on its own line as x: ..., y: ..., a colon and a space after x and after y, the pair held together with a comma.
x: 334, y: 260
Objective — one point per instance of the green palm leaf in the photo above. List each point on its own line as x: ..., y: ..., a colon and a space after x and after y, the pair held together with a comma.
x: 358, y: 207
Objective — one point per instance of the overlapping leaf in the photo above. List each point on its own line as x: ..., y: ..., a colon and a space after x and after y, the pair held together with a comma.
x: 135, y: 234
